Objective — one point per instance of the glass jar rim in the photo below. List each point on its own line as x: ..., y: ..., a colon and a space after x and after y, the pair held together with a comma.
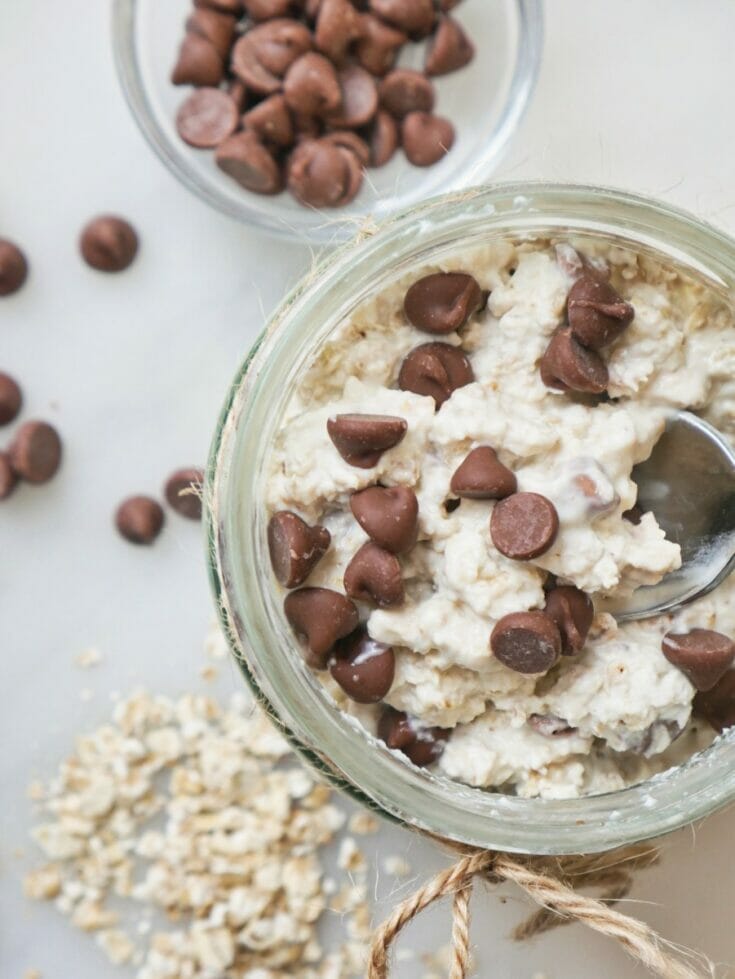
x: 328, y: 739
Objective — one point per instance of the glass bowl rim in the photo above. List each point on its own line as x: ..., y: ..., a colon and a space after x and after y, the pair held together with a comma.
x: 523, y: 82
x: 602, y: 827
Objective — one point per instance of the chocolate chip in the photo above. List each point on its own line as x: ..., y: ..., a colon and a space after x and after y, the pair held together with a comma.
x: 295, y: 547
x: 362, y: 439
x: 198, y: 63
x: 568, y: 366
x: 426, y: 138
x: 337, y: 26
x: 702, y: 655
x: 435, y: 370
x: 217, y: 28
x: 271, y: 121
x: 359, y: 99
x: 482, y: 476
x: 268, y: 9
x: 8, y: 479
x: 442, y: 302
x: 384, y: 139
x: 263, y: 55
x: 374, y: 575
x: 350, y: 141
x: 363, y: 667
x: 35, y: 454
x: 108, y: 243
x: 573, y: 612
x: 388, y: 515
x: 321, y: 174
x: 206, y: 118
x: 139, y: 519
x: 378, y: 45
x: 550, y: 725
x: 421, y: 745
x: 449, y: 49
x: 524, y: 525
x: 311, y: 86
x: 13, y: 267
x: 11, y: 398
x: 597, y: 313
x: 415, y: 17
x: 243, y: 157
x: 183, y: 492
x: 320, y: 617
x: 527, y: 642
x: 405, y: 90
x: 717, y: 705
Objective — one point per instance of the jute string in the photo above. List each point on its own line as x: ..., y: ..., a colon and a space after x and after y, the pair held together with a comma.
x: 554, y: 884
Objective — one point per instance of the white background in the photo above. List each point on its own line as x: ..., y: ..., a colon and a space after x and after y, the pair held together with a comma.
x: 132, y: 369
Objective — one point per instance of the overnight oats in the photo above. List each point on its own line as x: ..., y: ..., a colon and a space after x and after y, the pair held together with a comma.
x: 451, y: 516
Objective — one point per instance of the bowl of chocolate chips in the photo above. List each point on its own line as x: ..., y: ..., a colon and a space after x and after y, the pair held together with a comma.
x: 424, y: 517
x: 308, y: 117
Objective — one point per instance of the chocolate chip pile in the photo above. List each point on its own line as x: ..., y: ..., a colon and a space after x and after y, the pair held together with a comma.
x: 522, y: 525
x: 305, y: 94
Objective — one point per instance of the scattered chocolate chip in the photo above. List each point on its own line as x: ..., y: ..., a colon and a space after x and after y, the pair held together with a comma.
x: 321, y: 174
x: 415, y: 17
x: 108, y: 243
x: 597, y: 313
x: 384, y: 139
x: 271, y: 121
x: 378, y: 45
x: 263, y: 55
x: 217, y: 28
x: 139, y: 519
x: 442, y: 302
x: 206, y: 118
x: 11, y: 398
x: 633, y: 515
x: 404, y: 90
x: 568, y: 366
x: 183, y: 491
x: 13, y: 267
x: 449, y: 50
x: 362, y: 439
x: 311, y: 86
x: 388, y: 515
x: 702, y: 655
x: 350, y: 141
x: 320, y: 616
x: 243, y: 157
x: 295, y: 547
x: 198, y: 63
x: 426, y: 138
x: 338, y: 24
x: 8, y: 479
x: 435, y: 370
x: 482, y: 476
x: 268, y: 9
x: 524, y: 525
x: 527, y: 642
x: 717, y: 705
x: 35, y: 454
x: 421, y: 745
x: 359, y: 99
x: 573, y: 612
x: 550, y: 725
x: 363, y: 667
x: 374, y: 575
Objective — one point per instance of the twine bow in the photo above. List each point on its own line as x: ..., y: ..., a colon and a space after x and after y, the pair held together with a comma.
x: 554, y: 884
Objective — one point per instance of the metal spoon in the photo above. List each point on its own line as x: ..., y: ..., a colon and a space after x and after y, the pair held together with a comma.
x: 689, y: 483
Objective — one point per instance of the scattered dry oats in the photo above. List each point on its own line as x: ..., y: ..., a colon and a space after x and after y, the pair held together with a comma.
x: 88, y: 658
x: 209, y: 673
x: 396, y: 866
x: 200, y: 816
x: 32, y: 974
x: 363, y: 823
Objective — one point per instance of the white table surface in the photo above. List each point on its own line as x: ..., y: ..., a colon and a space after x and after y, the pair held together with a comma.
x: 132, y: 369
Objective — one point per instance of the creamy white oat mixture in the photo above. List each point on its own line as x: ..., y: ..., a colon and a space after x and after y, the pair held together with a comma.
x: 623, y: 697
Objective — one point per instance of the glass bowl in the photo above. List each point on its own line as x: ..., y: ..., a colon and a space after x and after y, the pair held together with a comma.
x: 485, y: 100
x: 252, y: 611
